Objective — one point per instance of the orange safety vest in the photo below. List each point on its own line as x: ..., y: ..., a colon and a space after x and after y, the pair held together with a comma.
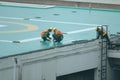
x: 43, y: 33
x: 57, y: 32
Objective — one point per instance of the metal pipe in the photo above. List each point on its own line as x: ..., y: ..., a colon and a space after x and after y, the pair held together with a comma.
x: 14, y: 68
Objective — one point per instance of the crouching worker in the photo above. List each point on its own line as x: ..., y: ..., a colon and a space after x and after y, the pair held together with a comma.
x: 45, y: 35
x: 103, y: 34
x: 57, y: 35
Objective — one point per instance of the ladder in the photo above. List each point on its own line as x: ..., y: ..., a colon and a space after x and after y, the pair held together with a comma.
x: 104, y: 51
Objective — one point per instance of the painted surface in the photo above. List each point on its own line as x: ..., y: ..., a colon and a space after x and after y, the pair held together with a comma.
x: 24, y: 25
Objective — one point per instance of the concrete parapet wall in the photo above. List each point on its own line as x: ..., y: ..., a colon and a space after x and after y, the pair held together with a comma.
x: 57, y: 61
x: 50, y: 63
x: 98, y: 1
x: 108, y: 4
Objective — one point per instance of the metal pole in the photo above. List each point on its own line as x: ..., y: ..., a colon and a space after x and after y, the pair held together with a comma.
x: 14, y: 72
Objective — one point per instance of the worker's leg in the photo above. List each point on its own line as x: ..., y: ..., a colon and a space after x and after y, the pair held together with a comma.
x: 107, y: 38
x: 44, y: 38
x: 60, y: 38
x: 54, y: 37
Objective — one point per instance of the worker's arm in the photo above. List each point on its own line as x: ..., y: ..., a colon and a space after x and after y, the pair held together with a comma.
x: 64, y: 33
x: 98, y: 35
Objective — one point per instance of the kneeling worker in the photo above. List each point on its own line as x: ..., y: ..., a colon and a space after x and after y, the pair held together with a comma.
x: 57, y: 35
x: 45, y: 35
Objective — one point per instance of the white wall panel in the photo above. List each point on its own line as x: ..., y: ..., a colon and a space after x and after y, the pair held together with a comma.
x: 49, y: 68
x: 77, y: 63
x: 32, y: 71
x: 7, y: 74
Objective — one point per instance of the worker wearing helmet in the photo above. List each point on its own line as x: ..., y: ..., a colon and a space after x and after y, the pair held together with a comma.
x: 102, y: 33
x: 57, y: 35
x: 45, y: 35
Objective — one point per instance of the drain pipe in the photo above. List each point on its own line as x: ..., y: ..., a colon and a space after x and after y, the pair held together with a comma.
x: 14, y: 69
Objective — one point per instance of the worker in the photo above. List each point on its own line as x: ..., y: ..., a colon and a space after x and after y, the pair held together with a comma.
x: 57, y: 35
x: 102, y: 33
x: 45, y: 35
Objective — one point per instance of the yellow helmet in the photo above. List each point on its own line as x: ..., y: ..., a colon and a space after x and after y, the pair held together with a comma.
x: 54, y: 29
x: 51, y: 28
x: 98, y: 28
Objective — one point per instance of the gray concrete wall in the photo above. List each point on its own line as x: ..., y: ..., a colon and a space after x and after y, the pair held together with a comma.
x: 57, y: 61
x: 49, y: 64
x: 98, y: 1
x: 109, y: 4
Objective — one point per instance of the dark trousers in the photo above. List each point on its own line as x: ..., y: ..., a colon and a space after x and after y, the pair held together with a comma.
x: 57, y: 38
x: 107, y: 38
x: 44, y: 38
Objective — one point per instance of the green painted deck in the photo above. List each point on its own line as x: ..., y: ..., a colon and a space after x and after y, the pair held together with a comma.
x: 24, y: 24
